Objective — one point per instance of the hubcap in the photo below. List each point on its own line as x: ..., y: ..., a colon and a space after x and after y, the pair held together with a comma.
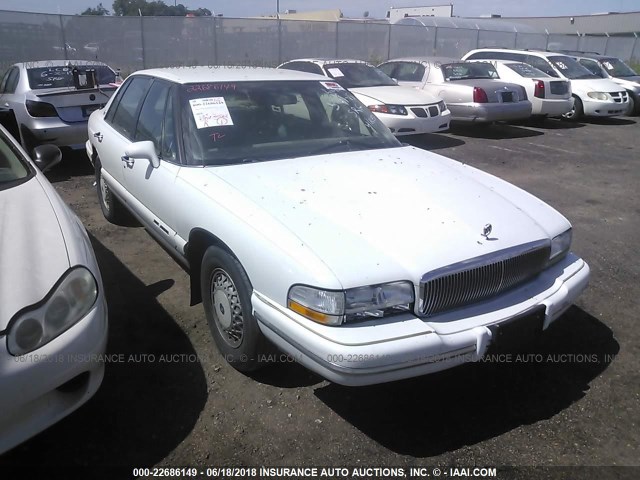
x: 227, y: 309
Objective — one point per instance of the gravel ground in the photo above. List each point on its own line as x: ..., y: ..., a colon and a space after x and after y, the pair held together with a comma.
x: 580, y: 409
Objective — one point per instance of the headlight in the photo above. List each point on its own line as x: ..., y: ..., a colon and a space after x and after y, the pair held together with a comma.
x: 391, y: 109
x: 69, y: 301
x: 602, y: 96
x: 560, y: 246
x: 331, y: 307
x: 442, y: 106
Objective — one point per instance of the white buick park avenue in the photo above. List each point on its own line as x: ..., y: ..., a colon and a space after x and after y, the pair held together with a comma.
x: 305, y: 224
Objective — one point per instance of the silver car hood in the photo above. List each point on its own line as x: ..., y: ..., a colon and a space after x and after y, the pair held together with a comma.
x: 33, y: 253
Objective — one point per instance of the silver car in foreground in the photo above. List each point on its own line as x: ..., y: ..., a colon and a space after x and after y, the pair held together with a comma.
x: 472, y: 91
x: 49, y: 102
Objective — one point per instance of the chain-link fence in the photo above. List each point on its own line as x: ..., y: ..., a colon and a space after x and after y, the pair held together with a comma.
x: 133, y: 43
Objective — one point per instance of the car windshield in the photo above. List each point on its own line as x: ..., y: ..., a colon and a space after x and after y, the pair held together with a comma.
x: 244, y: 122
x: 527, y: 71
x: 356, y: 75
x: 570, y: 68
x: 468, y: 71
x: 62, y: 76
x: 13, y: 168
x: 617, y: 68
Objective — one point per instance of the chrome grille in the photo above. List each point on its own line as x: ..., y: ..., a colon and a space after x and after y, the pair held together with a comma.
x: 481, y: 278
x: 426, y: 111
x: 620, y: 97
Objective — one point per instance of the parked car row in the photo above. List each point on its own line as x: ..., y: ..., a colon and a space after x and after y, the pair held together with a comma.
x: 286, y: 195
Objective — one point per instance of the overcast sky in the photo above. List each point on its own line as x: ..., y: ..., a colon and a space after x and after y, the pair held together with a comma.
x: 376, y: 8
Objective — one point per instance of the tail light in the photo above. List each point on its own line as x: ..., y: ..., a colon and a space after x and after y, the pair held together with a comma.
x: 539, y: 91
x: 40, y: 109
x: 479, y: 95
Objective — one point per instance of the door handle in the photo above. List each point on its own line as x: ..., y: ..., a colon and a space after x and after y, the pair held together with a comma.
x: 99, y: 136
x: 128, y: 160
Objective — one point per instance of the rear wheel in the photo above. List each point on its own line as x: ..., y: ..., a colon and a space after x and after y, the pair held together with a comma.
x: 111, y: 207
x: 576, y: 112
x: 633, y: 106
x: 226, y: 296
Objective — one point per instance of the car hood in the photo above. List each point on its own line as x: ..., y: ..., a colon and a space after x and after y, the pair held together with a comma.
x: 632, y: 83
x: 393, y: 94
x: 33, y: 254
x: 391, y: 214
x: 594, y: 85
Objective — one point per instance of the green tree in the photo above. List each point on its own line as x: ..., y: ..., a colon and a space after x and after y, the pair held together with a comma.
x: 154, y: 8
x: 99, y: 10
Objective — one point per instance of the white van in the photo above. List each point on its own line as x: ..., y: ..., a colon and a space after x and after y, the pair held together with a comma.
x: 593, y: 96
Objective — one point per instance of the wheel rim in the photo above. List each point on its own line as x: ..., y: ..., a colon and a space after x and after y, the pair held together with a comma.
x: 227, y: 308
x: 104, y: 193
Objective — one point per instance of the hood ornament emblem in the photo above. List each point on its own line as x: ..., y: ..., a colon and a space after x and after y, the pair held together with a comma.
x: 486, y: 231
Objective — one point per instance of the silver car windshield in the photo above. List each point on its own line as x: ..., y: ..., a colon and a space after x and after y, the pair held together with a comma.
x: 62, y: 76
x: 243, y: 122
x: 13, y: 168
x: 357, y: 75
x: 617, y: 68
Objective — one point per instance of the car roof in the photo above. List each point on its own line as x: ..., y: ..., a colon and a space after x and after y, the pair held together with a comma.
x: 442, y: 60
x: 542, y: 53
x: 324, y: 60
x: 226, y: 74
x: 58, y: 63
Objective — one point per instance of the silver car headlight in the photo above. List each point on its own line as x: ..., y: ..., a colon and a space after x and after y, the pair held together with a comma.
x: 560, y: 246
x: 335, y: 307
x: 602, y: 96
x: 442, y: 106
x: 70, y: 300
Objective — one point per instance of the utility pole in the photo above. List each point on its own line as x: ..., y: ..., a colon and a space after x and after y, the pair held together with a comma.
x: 278, y: 9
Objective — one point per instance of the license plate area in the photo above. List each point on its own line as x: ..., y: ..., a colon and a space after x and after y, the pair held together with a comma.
x: 89, y: 109
x: 507, y: 96
x: 518, y: 332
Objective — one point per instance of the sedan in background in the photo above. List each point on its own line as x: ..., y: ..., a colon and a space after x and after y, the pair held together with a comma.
x: 403, y: 110
x: 549, y: 96
x: 303, y: 221
x: 473, y: 91
x: 53, y: 314
x: 49, y: 102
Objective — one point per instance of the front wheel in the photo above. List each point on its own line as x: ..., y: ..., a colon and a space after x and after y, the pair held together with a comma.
x: 576, y: 112
x: 226, y: 296
x: 111, y: 207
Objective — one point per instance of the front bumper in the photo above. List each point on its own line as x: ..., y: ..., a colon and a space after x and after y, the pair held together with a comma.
x: 44, y: 386
x: 413, y: 125
x: 595, y: 108
x: 408, y: 346
x: 490, y: 112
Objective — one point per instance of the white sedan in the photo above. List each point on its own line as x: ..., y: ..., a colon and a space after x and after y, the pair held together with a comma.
x: 303, y: 221
x: 404, y: 110
x: 53, y: 315
x: 549, y: 96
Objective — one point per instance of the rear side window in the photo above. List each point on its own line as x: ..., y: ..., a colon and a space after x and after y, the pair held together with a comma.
x: 10, y: 81
x: 592, y: 66
x: 542, y: 64
x: 404, y: 71
x: 304, y: 67
x: 152, y: 115
x: 125, y: 113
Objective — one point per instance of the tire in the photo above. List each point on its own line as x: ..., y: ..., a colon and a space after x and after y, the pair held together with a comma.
x: 111, y: 207
x: 576, y: 112
x: 27, y: 140
x: 633, y: 106
x: 226, y: 297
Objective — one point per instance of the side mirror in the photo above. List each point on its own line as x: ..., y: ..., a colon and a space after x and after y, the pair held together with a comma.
x: 146, y: 150
x: 46, y: 156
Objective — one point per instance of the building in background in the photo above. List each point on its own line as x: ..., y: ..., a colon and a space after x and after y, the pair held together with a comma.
x: 394, y: 14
